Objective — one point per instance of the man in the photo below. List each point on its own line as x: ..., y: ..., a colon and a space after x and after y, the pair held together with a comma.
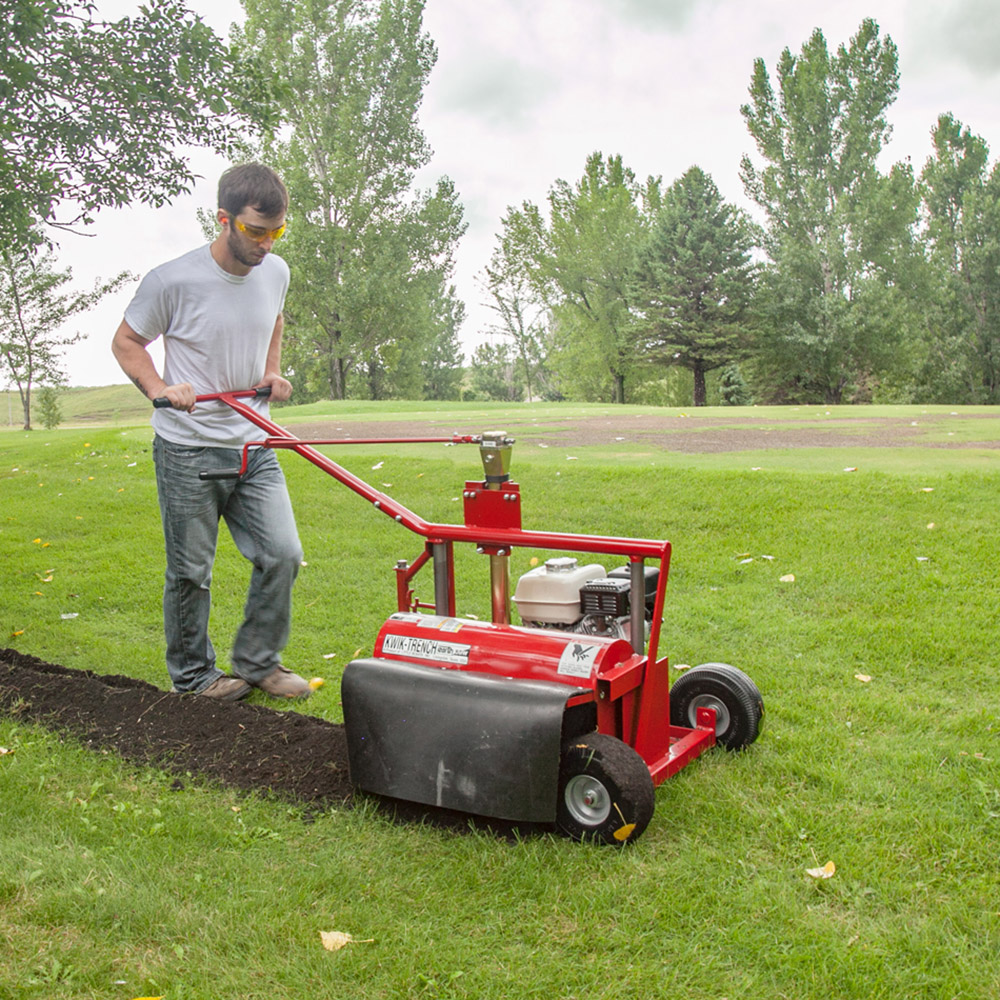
x: 219, y: 312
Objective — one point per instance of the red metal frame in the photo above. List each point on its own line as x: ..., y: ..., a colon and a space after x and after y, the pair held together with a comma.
x: 632, y: 696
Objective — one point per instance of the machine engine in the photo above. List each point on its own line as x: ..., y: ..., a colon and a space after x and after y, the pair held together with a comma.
x: 586, y: 599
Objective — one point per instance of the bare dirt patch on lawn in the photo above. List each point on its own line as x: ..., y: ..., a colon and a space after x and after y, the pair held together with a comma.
x: 689, y: 434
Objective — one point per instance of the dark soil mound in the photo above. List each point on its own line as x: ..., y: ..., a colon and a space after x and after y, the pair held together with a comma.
x: 250, y: 747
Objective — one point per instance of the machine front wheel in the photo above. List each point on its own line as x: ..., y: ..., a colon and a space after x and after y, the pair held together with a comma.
x: 605, y: 791
x: 738, y: 705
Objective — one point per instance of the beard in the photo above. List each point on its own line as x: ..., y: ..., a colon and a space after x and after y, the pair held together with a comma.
x: 248, y: 256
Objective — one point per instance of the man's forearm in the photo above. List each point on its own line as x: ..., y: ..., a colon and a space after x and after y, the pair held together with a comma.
x: 135, y: 362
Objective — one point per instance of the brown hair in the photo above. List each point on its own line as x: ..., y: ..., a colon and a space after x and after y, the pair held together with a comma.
x: 252, y: 185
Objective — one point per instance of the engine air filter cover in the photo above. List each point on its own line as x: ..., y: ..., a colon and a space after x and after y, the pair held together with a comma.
x: 605, y: 597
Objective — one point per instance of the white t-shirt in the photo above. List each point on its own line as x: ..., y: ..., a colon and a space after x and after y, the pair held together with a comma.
x: 216, y: 330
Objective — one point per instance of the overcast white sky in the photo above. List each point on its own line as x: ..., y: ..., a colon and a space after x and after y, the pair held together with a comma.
x: 524, y: 90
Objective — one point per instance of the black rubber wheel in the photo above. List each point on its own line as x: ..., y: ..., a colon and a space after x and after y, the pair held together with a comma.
x: 606, y: 794
x: 739, y: 708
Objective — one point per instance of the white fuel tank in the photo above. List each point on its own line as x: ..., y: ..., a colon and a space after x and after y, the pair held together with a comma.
x: 550, y: 594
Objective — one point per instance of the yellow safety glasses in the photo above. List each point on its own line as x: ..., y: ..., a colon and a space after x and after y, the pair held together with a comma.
x: 259, y: 234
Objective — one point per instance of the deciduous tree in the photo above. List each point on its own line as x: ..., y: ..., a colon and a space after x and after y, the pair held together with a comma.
x: 962, y: 200
x: 34, y: 307
x: 94, y: 113
x: 839, y: 232
x: 579, y: 261
x: 370, y: 257
x: 519, y: 316
x: 494, y: 373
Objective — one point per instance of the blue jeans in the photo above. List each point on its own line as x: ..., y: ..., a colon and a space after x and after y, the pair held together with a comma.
x: 259, y: 516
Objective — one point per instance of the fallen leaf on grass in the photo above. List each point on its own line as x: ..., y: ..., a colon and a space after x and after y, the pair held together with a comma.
x: 864, y: 678
x: 378, y: 465
x: 927, y: 489
x: 787, y: 578
x: 4, y: 751
x: 827, y: 871
x: 316, y: 682
x: 329, y: 656
x: 851, y: 468
x: 335, y: 940
x: 931, y: 526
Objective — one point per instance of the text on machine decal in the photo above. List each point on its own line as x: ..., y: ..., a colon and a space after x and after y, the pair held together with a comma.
x: 426, y: 649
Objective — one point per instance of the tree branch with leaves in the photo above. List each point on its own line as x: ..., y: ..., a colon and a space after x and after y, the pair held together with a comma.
x: 94, y: 113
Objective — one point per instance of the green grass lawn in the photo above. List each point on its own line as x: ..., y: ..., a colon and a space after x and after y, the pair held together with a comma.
x: 115, y: 885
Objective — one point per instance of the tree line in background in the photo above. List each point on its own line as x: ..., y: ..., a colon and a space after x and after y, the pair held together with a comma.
x: 860, y: 284
x: 857, y: 283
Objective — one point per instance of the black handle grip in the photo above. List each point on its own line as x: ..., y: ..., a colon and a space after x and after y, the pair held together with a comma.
x: 161, y: 402
x: 220, y: 474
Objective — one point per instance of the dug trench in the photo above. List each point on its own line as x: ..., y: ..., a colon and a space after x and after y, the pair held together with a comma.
x: 251, y: 747
x: 287, y: 755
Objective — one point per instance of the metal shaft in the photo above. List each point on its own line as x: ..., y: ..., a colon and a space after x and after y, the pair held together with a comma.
x: 442, y: 583
x: 500, y: 589
x: 638, y: 608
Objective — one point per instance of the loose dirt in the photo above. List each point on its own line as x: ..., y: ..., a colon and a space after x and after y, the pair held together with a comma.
x: 285, y: 753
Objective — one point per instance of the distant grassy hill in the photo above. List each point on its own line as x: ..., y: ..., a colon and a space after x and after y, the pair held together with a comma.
x: 81, y: 407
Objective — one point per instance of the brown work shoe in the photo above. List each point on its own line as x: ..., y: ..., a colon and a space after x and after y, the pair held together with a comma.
x: 282, y: 683
x: 224, y: 688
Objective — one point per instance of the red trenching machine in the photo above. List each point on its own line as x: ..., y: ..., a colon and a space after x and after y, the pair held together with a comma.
x: 568, y: 718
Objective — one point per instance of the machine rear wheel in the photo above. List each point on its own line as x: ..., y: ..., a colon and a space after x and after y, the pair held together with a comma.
x: 605, y: 791
x: 738, y: 705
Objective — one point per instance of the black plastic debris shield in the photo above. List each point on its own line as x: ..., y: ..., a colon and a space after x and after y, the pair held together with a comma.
x: 455, y: 739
